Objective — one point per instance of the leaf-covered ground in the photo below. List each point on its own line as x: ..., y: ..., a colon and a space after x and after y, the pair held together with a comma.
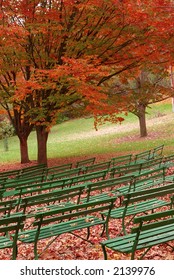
x: 69, y: 247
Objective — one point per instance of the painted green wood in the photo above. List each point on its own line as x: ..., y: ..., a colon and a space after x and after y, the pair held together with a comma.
x: 8, y: 224
x: 58, y: 221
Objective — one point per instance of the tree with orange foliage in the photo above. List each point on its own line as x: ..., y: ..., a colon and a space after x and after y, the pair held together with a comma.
x: 66, y: 50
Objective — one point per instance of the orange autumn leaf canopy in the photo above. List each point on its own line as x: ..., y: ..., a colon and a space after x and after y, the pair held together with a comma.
x: 57, y: 55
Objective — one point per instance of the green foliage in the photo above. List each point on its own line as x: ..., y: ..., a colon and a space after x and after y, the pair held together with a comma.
x: 6, y: 129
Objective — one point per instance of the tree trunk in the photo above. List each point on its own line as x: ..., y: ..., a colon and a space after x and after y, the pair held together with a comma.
x: 142, y: 120
x: 42, y: 137
x: 24, y: 149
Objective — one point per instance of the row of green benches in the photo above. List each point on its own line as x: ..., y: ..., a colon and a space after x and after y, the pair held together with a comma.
x: 83, y: 165
x: 146, y: 178
x: 75, y: 175
x: 65, y: 205
x: 133, y: 182
x: 65, y: 217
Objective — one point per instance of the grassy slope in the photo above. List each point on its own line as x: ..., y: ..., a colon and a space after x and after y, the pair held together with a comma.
x: 78, y: 137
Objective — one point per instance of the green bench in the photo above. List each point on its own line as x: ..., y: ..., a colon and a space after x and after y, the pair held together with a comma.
x: 22, y: 188
x: 136, y: 168
x: 14, y: 184
x: 106, y: 188
x: 149, y: 154
x: 141, y: 201
x: 124, y: 184
x: 59, y: 168
x: 143, y: 156
x: 121, y: 160
x: 31, y: 174
x: 157, y: 151
x: 7, y: 206
x: 66, y: 173
x: 85, y: 162
x: 53, y: 223
x: 10, y: 228
x: 148, y: 179
x: 97, y: 167
x: 148, y: 231
x: 16, y: 173
x: 169, y: 160
x: 49, y: 200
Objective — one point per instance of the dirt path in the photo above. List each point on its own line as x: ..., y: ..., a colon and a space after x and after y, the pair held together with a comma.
x: 118, y: 128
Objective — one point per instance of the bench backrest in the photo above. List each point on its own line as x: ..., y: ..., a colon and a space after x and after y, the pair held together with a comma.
x: 85, y: 162
x: 6, y: 206
x: 140, y: 199
x: 133, y: 197
x: 31, y: 174
x: 157, y: 151
x: 59, y: 197
x: 74, y: 211
x: 11, y: 223
x: 149, y: 176
x: 137, y: 168
x: 15, y: 183
x: 108, y: 185
x: 151, y: 226
x: 143, y: 156
x: 152, y: 163
x: 97, y: 167
x: 120, y: 160
x: 59, y: 168
x: 66, y: 173
x: 154, y: 220
x: 29, y: 188
x: 125, y: 169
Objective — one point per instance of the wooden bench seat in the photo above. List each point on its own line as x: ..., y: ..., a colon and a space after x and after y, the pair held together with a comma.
x: 148, y: 231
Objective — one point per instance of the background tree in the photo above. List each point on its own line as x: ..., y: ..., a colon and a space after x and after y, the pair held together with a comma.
x: 138, y: 92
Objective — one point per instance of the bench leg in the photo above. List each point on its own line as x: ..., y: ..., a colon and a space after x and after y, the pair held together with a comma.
x: 104, y: 251
x: 35, y: 251
x: 15, y: 251
x: 36, y: 255
x: 142, y: 256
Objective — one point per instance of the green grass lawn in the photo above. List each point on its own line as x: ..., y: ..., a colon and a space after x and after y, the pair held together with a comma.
x: 79, y: 138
